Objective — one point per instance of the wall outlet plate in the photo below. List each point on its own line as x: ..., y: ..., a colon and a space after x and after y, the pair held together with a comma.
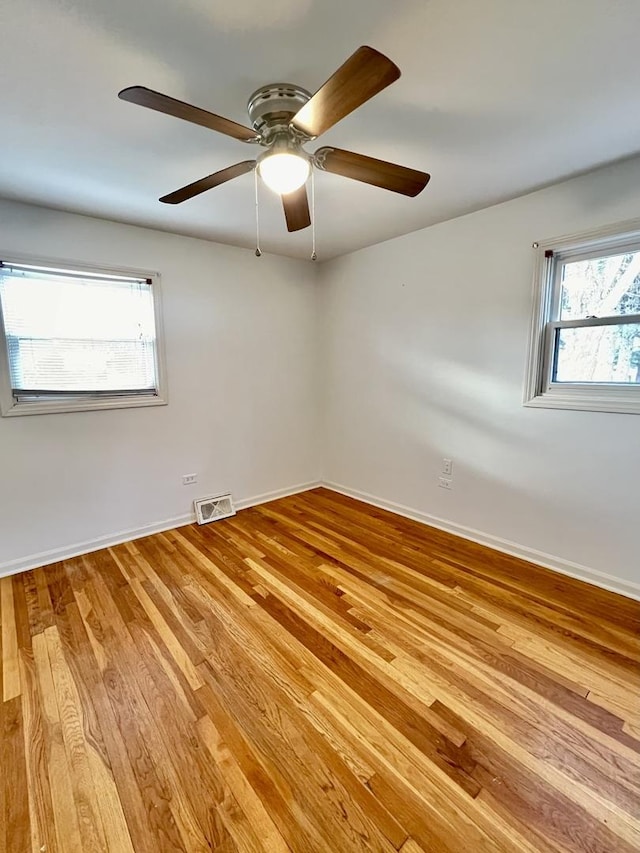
x: 444, y: 482
x: 189, y: 479
x: 447, y: 466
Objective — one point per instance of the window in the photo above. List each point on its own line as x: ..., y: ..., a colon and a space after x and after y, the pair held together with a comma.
x: 77, y: 339
x: 585, y: 337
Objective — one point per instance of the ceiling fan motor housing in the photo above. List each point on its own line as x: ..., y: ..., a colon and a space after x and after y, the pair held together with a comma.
x: 272, y: 107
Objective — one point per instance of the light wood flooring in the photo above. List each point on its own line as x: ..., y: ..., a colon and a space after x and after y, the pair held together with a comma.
x: 316, y: 675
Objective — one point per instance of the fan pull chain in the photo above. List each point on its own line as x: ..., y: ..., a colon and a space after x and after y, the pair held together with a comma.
x: 314, y: 256
x: 258, y: 249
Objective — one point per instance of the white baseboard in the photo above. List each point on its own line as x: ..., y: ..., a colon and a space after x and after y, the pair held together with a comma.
x: 547, y: 561
x: 66, y: 552
x: 279, y: 493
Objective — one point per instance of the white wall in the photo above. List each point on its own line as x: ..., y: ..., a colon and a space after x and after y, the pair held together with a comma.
x: 425, y: 339
x: 242, y: 373
x: 407, y: 352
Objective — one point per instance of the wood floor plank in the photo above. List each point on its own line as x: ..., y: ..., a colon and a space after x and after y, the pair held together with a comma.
x: 580, y: 756
x: 252, y: 806
x: 65, y: 816
x: 266, y: 778
x: 39, y: 791
x: 269, y: 717
x: 10, y: 663
x: 17, y: 823
x: 313, y: 675
x: 134, y: 799
x: 433, y: 809
x: 86, y: 737
x: 78, y: 751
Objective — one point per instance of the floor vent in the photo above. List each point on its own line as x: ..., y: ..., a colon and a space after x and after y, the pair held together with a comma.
x: 213, y: 509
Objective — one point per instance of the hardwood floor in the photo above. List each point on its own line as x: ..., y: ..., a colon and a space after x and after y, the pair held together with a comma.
x: 316, y: 675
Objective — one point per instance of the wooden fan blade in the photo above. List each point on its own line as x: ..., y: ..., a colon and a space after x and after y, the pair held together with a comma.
x: 388, y: 176
x: 209, y: 182
x: 164, y: 104
x: 296, y: 209
x: 362, y: 76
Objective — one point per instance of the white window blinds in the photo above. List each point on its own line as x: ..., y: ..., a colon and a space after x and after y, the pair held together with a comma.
x: 74, y: 333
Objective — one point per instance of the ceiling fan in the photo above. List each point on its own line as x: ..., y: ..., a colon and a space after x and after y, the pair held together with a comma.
x: 285, y: 117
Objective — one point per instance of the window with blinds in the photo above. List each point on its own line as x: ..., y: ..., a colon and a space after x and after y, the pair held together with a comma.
x: 77, y: 339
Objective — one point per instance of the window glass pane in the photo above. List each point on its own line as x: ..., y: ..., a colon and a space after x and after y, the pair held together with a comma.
x: 76, y: 334
x: 599, y: 354
x: 601, y: 287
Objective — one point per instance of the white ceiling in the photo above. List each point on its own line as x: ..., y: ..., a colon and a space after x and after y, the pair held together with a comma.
x: 497, y: 97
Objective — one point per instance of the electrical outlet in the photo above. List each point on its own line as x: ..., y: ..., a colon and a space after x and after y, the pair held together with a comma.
x: 444, y: 482
x: 447, y: 466
x: 189, y: 479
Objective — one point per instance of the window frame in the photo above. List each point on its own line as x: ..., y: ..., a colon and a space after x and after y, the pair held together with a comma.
x: 10, y: 407
x: 540, y: 391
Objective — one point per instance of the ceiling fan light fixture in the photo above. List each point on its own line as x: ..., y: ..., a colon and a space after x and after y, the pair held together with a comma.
x: 284, y: 171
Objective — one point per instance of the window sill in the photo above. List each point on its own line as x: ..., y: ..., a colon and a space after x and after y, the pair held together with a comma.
x: 53, y: 408
x: 585, y: 402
